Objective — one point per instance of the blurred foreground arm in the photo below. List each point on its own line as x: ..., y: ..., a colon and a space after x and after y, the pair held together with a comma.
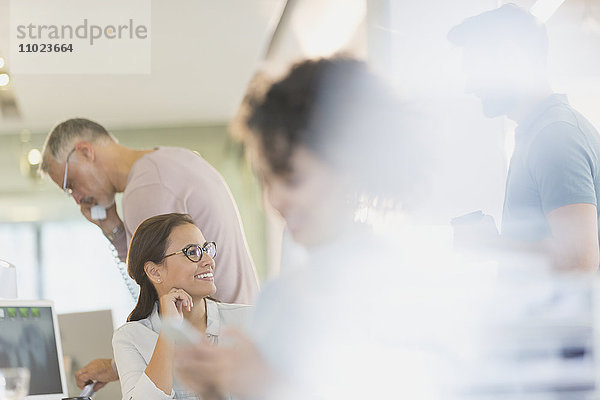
x: 211, y: 371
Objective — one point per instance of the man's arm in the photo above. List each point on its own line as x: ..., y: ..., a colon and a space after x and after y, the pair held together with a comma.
x: 561, y: 162
x: 573, y: 245
x: 574, y: 242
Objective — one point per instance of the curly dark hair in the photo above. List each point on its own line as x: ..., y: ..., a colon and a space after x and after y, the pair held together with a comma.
x: 343, y: 114
x: 281, y: 119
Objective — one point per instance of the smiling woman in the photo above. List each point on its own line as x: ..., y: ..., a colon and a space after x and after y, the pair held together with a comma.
x: 173, y: 264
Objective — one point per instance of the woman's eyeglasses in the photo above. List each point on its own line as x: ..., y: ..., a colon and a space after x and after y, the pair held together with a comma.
x: 194, y: 252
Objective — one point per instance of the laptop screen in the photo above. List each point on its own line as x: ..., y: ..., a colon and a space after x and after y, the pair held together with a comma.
x: 29, y: 338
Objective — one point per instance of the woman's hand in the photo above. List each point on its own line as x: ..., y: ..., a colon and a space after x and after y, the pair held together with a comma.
x: 160, y: 367
x: 173, y: 303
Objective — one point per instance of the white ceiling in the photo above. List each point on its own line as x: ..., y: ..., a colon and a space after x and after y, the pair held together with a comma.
x: 204, y: 52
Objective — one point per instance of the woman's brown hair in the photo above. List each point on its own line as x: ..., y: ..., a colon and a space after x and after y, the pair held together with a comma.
x: 149, y: 243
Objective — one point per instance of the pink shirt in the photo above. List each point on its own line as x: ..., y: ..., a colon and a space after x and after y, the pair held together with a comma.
x: 172, y: 179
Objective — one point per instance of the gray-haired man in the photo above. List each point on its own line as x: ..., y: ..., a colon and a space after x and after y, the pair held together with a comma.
x: 88, y: 163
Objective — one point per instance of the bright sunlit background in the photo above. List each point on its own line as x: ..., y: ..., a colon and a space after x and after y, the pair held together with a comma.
x: 203, y: 56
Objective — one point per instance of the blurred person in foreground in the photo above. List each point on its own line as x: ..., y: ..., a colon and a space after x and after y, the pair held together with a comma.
x: 553, y: 184
x: 89, y: 164
x: 321, y: 138
x: 174, y: 264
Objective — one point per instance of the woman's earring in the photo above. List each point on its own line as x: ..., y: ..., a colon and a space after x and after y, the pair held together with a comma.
x: 159, y: 280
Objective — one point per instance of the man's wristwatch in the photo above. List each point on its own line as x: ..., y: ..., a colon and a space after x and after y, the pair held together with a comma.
x: 112, y: 235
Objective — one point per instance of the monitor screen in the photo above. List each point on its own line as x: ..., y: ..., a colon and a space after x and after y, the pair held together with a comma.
x: 28, y: 339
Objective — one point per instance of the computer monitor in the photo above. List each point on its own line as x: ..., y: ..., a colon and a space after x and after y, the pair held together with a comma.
x: 29, y: 337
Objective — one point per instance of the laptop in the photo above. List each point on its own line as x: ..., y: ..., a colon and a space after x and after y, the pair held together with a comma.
x: 86, y: 336
x: 29, y: 337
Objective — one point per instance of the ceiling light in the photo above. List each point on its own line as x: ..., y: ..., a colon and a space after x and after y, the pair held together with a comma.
x: 544, y: 9
x: 1, y: 62
x: 34, y: 157
x: 4, y: 79
x: 323, y: 28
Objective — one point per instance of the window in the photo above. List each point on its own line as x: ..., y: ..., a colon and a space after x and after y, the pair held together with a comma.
x: 68, y: 262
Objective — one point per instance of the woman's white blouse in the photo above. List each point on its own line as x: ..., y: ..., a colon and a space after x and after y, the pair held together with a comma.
x: 134, y: 342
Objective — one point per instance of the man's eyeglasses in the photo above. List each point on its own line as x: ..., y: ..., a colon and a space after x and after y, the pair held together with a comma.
x: 67, y: 190
x: 194, y: 252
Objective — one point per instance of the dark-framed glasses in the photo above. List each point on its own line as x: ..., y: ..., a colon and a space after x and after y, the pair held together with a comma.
x: 194, y: 252
x: 65, y: 189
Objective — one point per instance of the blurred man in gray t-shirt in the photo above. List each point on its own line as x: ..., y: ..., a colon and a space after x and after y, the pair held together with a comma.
x: 553, y: 183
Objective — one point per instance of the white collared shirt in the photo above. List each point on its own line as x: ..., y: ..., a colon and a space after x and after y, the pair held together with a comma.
x: 134, y: 342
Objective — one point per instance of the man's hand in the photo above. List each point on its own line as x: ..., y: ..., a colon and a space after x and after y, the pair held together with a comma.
x: 108, y: 224
x: 100, y: 371
x: 479, y: 236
